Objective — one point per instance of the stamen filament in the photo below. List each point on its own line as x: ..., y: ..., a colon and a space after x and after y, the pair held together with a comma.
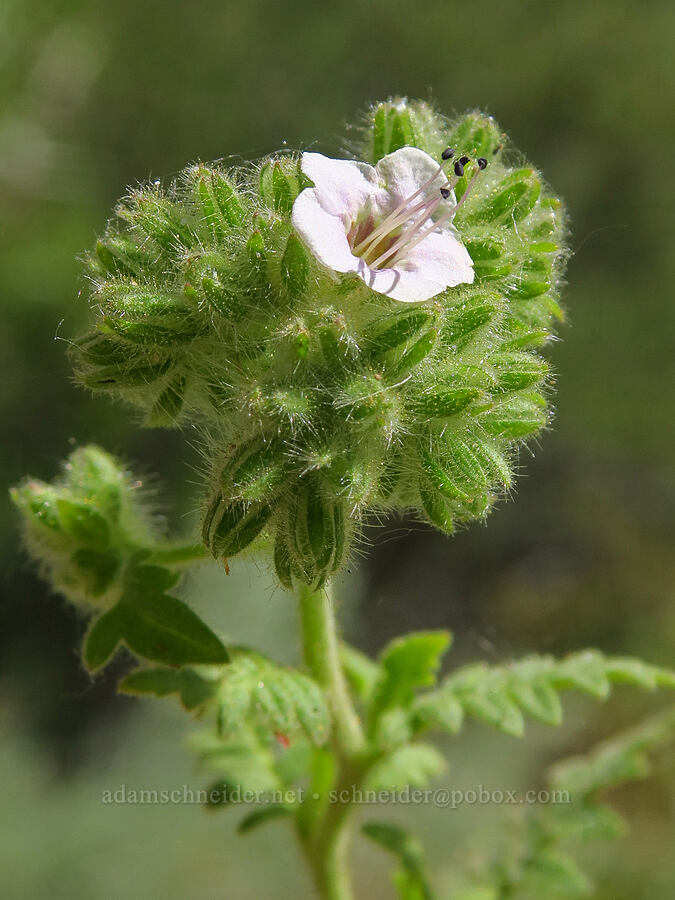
x: 416, y: 225
x: 386, y: 225
x: 442, y: 221
x: 428, y: 207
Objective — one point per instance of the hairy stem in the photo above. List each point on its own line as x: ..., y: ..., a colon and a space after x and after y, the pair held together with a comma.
x: 320, y: 644
x: 326, y: 843
x: 179, y: 554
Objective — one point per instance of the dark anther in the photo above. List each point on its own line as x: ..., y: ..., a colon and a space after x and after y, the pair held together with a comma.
x: 459, y: 169
x: 445, y: 193
x: 482, y: 162
x: 497, y: 149
x: 464, y: 160
x: 448, y: 153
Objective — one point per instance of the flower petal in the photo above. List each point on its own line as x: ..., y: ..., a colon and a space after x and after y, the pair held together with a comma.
x: 441, y: 257
x: 323, y: 233
x: 343, y: 187
x: 408, y: 287
x: 404, y: 171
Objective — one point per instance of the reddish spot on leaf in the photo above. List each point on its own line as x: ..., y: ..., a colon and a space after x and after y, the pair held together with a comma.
x: 283, y: 739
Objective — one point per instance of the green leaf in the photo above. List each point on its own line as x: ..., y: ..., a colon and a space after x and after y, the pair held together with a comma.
x: 439, y: 709
x: 163, y: 629
x: 152, y: 624
x: 361, y: 672
x: 499, y: 695
x: 242, y: 764
x: 411, y: 881
x: 253, y: 689
x: 554, y: 872
x: 408, y: 663
x: 194, y: 690
x: 409, y: 764
x: 102, y: 638
x: 624, y: 757
x: 584, y: 671
x: 261, y: 816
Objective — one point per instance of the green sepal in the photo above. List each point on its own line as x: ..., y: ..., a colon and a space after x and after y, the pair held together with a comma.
x: 510, y: 201
x: 295, y: 267
x: 159, y: 219
x: 391, y: 333
x: 115, y: 377
x: 231, y: 527
x: 516, y: 418
x: 83, y: 523
x: 392, y: 129
x: 446, y: 403
x: 99, y: 568
x: 476, y: 135
x: 466, y: 322
x: 219, y: 203
x: 169, y: 404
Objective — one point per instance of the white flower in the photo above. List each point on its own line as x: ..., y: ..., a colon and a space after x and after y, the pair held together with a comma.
x: 391, y: 224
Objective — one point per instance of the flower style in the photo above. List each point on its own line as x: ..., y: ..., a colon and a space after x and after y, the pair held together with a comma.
x: 391, y: 224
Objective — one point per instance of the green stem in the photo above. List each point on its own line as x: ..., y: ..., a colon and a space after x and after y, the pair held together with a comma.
x: 321, y: 650
x: 327, y: 843
x: 179, y: 554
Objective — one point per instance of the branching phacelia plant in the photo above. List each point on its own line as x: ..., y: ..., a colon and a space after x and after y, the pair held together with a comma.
x: 350, y: 337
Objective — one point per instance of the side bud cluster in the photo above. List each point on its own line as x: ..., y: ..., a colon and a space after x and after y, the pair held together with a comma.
x: 319, y: 398
x: 83, y: 527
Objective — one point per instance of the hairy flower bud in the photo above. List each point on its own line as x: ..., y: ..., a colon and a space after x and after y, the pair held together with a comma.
x: 349, y: 335
x: 84, y: 526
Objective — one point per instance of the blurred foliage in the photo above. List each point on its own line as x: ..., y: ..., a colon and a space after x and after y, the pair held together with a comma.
x: 93, y: 97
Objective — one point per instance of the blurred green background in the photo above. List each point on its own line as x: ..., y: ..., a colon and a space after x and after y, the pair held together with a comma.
x: 95, y: 96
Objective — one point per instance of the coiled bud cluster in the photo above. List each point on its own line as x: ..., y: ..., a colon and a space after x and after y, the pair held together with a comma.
x: 318, y: 397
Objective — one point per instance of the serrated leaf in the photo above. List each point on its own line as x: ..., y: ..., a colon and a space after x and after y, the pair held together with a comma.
x: 361, y: 672
x: 410, y: 764
x: 261, y: 816
x: 584, y: 671
x: 554, y: 872
x: 194, y: 690
x: 624, y: 757
x: 285, y: 701
x: 439, y: 709
x: 537, y: 698
x: 408, y: 663
x: 242, y: 765
x: 408, y: 850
